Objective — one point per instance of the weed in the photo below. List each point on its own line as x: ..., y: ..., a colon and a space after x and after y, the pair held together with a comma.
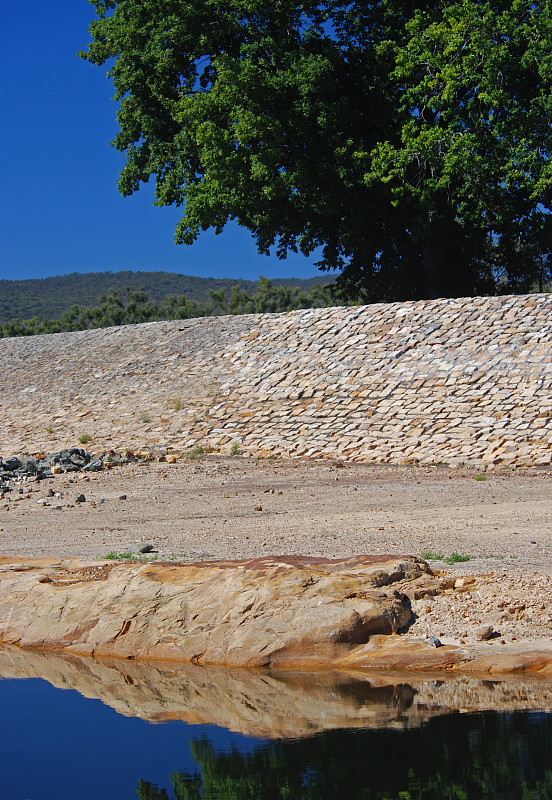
x: 176, y: 404
x: 49, y: 429
x: 196, y: 453
x: 235, y: 449
x: 85, y: 438
x: 128, y: 556
x: 144, y: 417
x: 430, y: 556
x: 456, y: 558
x: 480, y: 478
x: 114, y: 556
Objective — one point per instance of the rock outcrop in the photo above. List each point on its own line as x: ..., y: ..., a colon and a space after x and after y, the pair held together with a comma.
x: 285, y: 611
x: 260, y: 612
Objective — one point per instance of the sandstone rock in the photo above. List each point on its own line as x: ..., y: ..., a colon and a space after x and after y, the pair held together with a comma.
x: 484, y: 633
x: 273, y: 610
x: 285, y: 611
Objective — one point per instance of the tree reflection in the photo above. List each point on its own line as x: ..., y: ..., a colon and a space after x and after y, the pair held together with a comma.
x: 458, y: 757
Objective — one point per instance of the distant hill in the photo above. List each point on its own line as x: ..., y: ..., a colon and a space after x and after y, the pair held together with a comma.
x: 49, y: 298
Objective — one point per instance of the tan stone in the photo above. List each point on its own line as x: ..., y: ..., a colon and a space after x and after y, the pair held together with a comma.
x: 280, y: 610
x: 288, y: 611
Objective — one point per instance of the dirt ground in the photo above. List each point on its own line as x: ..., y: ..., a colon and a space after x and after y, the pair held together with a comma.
x: 239, y: 507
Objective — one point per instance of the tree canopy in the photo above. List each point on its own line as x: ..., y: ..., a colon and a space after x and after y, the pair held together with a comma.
x: 131, y: 308
x: 410, y: 140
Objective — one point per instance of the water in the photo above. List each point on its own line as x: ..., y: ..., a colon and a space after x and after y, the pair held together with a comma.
x: 311, y: 737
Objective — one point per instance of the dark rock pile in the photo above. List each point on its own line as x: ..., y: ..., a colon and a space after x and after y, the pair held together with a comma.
x: 16, y: 469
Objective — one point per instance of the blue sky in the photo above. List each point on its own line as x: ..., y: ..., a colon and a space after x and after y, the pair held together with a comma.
x: 60, y: 210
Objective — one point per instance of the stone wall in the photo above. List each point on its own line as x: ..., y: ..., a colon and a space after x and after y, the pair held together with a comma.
x: 443, y: 381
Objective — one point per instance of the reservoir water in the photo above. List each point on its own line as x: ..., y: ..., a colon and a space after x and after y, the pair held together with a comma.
x: 79, y: 729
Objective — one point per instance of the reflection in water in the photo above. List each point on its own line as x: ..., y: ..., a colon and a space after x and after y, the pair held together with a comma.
x: 273, y: 705
x: 319, y: 736
x: 458, y: 757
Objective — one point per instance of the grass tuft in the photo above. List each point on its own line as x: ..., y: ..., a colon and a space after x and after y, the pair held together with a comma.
x: 428, y: 555
x: 114, y: 556
x: 197, y: 453
x: 128, y: 556
x: 456, y: 558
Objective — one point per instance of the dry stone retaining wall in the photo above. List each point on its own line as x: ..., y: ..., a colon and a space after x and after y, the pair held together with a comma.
x: 453, y: 381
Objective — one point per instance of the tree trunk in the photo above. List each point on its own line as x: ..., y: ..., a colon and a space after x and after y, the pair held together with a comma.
x: 446, y: 268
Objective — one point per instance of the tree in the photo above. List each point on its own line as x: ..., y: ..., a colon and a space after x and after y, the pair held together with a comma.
x: 409, y: 139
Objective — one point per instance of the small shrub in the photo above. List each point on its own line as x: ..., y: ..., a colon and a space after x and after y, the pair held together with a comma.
x: 176, y: 404
x: 85, y: 438
x: 235, y: 449
x: 456, y: 558
x: 480, y: 478
x: 144, y: 417
x: 49, y: 429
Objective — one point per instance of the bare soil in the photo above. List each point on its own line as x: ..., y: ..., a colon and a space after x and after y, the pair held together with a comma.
x: 241, y: 507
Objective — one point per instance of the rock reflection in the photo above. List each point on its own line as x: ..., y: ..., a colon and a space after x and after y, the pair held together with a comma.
x: 272, y: 705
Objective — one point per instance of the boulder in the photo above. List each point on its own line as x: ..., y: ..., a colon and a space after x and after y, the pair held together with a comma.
x: 284, y: 610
